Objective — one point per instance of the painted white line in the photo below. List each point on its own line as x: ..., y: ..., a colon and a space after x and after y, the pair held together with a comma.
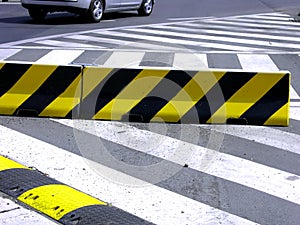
x: 180, y: 42
x: 252, y: 24
x: 191, y: 18
x: 257, y: 62
x: 235, y: 33
x: 233, y: 40
x: 283, y: 15
x: 67, y: 44
x: 97, y: 39
x: 10, y: 3
x: 294, y: 94
x: 14, y: 214
x: 294, y: 106
x: 189, y: 61
x: 122, y: 44
x: 145, y: 200
x: 235, y: 169
x: 273, y: 18
x: 295, y: 113
x: 107, y: 21
x: 61, y: 57
x: 165, y: 49
x: 228, y: 28
x: 265, y: 135
x: 5, y: 53
x: 262, y: 22
x: 124, y: 59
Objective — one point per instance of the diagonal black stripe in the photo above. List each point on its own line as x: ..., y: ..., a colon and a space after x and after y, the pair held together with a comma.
x: 180, y: 78
x: 54, y: 86
x: 106, y: 91
x: 15, y: 182
x: 227, y: 86
x: 270, y: 103
x: 167, y: 88
x: 101, y: 214
x: 10, y: 73
x: 146, y: 109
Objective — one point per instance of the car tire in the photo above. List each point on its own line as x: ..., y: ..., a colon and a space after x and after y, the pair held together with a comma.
x: 146, y: 8
x: 37, y: 15
x: 95, y: 12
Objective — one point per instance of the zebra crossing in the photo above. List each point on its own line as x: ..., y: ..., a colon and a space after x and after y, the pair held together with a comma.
x: 171, y: 173
x: 247, y: 180
x: 258, y: 33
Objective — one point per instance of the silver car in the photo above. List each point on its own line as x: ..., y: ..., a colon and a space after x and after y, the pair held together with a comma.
x: 91, y: 9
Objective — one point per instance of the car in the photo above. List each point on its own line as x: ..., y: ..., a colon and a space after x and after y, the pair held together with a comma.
x: 91, y: 9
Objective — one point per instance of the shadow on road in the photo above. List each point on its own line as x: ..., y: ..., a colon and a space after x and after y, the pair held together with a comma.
x: 65, y: 18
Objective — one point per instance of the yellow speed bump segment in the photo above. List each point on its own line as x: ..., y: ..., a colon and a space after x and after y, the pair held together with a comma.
x: 57, y: 200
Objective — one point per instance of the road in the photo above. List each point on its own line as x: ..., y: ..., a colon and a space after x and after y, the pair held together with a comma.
x: 16, y: 23
x: 233, y: 175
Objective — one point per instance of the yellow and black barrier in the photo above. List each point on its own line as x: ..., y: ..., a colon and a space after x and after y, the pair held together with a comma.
x: 57, y: 200
x: 145, y: 95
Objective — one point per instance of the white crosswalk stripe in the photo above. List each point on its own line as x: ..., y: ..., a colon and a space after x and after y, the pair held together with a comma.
x: 124, y: 59
x: 65, y: 44
x: 264, y: 33
x: 59, y: 57
x: 5, y: 53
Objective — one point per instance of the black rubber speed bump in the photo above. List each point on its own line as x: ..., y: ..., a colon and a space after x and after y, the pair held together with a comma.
x: 57, y: 200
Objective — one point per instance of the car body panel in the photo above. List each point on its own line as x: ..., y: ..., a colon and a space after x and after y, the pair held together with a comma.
x: 38, y: 9
x: 110, y: 5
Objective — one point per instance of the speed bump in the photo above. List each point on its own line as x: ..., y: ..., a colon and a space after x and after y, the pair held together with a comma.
x: 145, y: 95
x: 56, y: 200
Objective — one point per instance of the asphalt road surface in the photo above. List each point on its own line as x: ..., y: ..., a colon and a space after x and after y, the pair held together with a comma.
x: 232, y: 174
x: 16, y: 24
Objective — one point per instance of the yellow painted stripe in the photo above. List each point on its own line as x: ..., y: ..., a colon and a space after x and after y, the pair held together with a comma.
x: 131, y: 95
x: 92, y: 76
x: 34, y: 77
x: 201, y: 83
x: 1, y: 65
x: 56, y: 200
x: 6, y: 164
x: 64, y: 103
x: 280, y: 118
x: 245, y: 97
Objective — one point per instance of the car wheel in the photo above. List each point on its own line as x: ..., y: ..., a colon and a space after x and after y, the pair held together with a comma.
x: 37, y: 15
x: 96, y: 10
x: 146, y: 8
